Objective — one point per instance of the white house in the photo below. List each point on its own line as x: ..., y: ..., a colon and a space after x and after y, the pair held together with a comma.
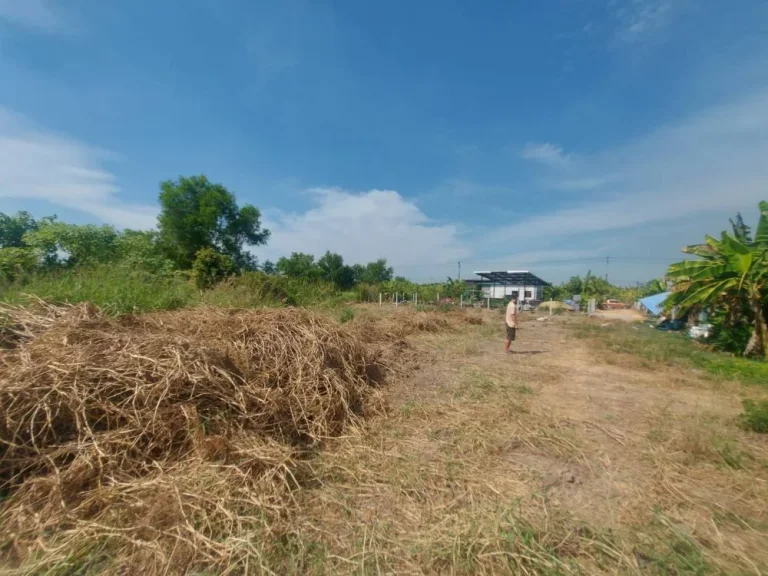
x: 505, y: 284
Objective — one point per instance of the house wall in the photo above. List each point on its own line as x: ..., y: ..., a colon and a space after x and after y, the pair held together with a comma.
x: 523, y: 292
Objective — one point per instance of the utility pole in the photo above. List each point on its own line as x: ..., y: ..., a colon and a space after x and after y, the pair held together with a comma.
x: 607, y: 260
x: 459, y: 270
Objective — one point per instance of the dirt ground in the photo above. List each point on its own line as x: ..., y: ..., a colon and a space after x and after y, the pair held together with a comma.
x: 627, y: 315
x: 554, y: 460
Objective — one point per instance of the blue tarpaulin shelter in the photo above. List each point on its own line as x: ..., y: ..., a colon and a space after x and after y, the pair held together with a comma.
x: 654, y: 304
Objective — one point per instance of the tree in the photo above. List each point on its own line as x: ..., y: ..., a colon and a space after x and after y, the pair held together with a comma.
x: 82, y: 244
x: 376, y: 272
x: 141, y: 249
x: 299, y: 265
x: 268, y: 267
x: 729, y: 269
x: 211, y: 267
x: 332, y: 269
x: 13, y: 228
x: 573, y: 287
x: 196, y: 213
x: 358, y: 273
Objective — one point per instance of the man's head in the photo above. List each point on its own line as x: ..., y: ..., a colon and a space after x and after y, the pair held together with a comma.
x: 513, y: 299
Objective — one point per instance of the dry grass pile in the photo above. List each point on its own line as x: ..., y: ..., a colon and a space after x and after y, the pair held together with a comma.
x: 165, y: 440
x: 20, y: 324
x: 406, y: 322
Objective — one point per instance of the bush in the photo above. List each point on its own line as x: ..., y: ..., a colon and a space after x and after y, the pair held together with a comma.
x: 730, y: 334
x: 210, y: 267
x: 15, y: 262
x: 755, y: 416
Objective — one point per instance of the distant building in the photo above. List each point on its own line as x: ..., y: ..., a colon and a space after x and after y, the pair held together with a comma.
x: 506, y: 284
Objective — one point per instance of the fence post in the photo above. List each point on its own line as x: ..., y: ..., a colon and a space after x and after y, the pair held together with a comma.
x: 489, y: 302
x: 379, y: 298
x: 438, y: 297
x: 395, y: 299
x: 550, y: 306
x: 461, y: 301
x: 416, y: 298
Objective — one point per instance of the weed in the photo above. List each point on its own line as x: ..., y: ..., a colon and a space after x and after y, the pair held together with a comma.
x: 673, y: 552
x: 408, y: 408
x: 755, y: 416
x: 346, y: 315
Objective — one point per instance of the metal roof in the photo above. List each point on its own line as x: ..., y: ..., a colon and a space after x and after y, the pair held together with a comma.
x: 513, y: 277
x: 655, y: 304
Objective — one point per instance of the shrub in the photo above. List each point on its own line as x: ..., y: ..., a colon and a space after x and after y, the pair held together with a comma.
x: 755, y: 416
x: 210, y: 267
x: 15, y: 262
x: 731, y: 332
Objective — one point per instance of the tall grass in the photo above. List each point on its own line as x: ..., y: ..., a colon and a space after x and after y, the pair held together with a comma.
x: 116, y: 289
x: 120, y: 289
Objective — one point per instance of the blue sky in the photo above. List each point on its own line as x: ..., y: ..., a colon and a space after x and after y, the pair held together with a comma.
x: 505, y: 134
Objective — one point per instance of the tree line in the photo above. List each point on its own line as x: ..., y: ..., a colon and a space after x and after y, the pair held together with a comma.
x: 200, y: 229
x: 595, y: 287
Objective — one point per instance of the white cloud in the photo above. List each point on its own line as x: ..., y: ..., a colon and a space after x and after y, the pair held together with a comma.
x: 546, y: 153
x: 713, y: 162
x: 35, y: 14
x: 639, y: 19
x: 363, y: 227
x: 41, y: 165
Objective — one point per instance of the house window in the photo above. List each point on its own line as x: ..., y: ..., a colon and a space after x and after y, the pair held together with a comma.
x: 528, y: 295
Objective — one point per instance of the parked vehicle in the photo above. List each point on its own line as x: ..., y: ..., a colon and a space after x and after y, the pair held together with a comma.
x: 613, y: 305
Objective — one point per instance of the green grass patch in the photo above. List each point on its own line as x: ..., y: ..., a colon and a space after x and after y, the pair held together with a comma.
x: 347, y: 314
x: 116, y: 289
x: 120, y: 289
x: 755, y: 416
x: 655, y: 348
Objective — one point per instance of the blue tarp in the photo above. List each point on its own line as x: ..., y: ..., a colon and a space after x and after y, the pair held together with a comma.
x: 654, y: 304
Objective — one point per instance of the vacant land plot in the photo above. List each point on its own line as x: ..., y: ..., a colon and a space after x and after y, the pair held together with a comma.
x: 558, y: 459
x: 581, y: 453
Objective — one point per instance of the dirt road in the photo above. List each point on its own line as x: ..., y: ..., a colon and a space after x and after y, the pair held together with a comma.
x: 551, y: 460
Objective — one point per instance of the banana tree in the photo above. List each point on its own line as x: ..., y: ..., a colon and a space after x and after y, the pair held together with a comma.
x: 729, y: 269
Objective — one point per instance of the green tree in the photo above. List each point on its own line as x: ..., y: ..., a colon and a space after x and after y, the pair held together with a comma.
x: 573, y: 287
x: 376, y: 272
x: 196, y: 213
x: 81, y: 244
x: 141, y: 249
x: 211, y: 267
x: 729, y: 269
x: 358, y: 273
x: 298, y: 265
x: 268, y: 267
x: 13, y: 228
x: 332, y: 269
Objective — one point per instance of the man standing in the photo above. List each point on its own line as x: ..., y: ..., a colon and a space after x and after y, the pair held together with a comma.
x: 511, y: 317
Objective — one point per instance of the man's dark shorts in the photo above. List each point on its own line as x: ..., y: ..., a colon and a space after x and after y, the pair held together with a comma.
x: 511, y: 333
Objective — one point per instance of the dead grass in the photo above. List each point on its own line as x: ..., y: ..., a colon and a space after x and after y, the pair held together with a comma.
x: 164, y: 433
x: 550, y: 461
